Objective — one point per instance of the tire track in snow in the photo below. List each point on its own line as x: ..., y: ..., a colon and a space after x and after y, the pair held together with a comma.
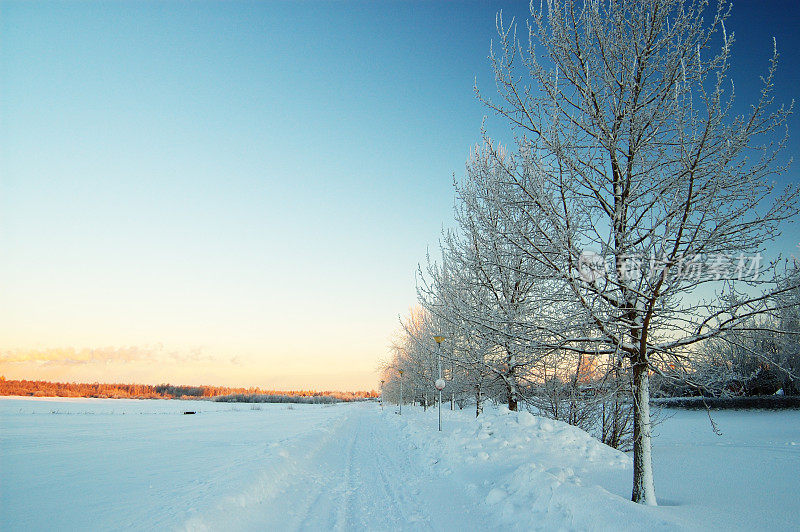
x: 322, y: 501
x: 399, y: 503
x: 342, y: 512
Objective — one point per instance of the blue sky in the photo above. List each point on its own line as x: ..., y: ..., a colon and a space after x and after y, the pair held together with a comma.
x: 249, y: 183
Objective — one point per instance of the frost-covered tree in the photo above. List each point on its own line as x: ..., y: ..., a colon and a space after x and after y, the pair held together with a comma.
x: 414, y: 354
x: 629, y: 147
x: 762, y: 355
x: 450, y: 290
x: 486, y: 288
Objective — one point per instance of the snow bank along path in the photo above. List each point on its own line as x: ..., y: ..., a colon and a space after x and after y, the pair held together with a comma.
x: 532, y: 473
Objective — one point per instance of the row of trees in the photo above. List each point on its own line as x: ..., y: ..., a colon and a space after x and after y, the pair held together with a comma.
x: 619, y: 237
x: 285, y: 398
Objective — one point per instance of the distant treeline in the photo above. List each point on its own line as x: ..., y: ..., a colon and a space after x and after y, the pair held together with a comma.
x: 285, y: 398
x: 170, y: 391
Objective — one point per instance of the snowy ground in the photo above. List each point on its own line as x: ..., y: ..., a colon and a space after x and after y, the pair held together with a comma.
x: 745, y: 479
x: 102, y: 464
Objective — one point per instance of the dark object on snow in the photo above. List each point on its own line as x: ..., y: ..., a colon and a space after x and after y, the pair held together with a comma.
x: 189, y: 413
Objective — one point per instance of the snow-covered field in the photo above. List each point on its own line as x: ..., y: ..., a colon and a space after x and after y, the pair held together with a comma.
x: 119, y: 464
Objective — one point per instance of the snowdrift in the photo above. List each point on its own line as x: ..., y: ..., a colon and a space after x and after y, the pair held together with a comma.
x: 531, y: 473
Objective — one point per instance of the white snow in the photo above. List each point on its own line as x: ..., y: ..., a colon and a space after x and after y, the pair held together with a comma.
x: 745, y: 479
x: 101, y: 464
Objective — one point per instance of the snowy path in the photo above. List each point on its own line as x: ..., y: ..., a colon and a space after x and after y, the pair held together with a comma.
x: 358, y: 476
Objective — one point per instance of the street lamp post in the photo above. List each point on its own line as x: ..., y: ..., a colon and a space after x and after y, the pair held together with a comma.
x: 452, y: 388
x: 401, y: 391
x: 440, y: 380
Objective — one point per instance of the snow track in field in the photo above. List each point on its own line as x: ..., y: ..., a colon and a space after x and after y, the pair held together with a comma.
x: 359, y: 475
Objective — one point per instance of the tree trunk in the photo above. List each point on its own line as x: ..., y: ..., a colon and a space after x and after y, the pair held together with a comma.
x: 616, y: 421
x: 643, y: 489
x: 511, y: 390
x: 478, y: 400
x: 512, y: 397
x: 511, y: 380
x: 616, y: 437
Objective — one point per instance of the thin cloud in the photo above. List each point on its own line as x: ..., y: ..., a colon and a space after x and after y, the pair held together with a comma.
x: 69, y: 356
